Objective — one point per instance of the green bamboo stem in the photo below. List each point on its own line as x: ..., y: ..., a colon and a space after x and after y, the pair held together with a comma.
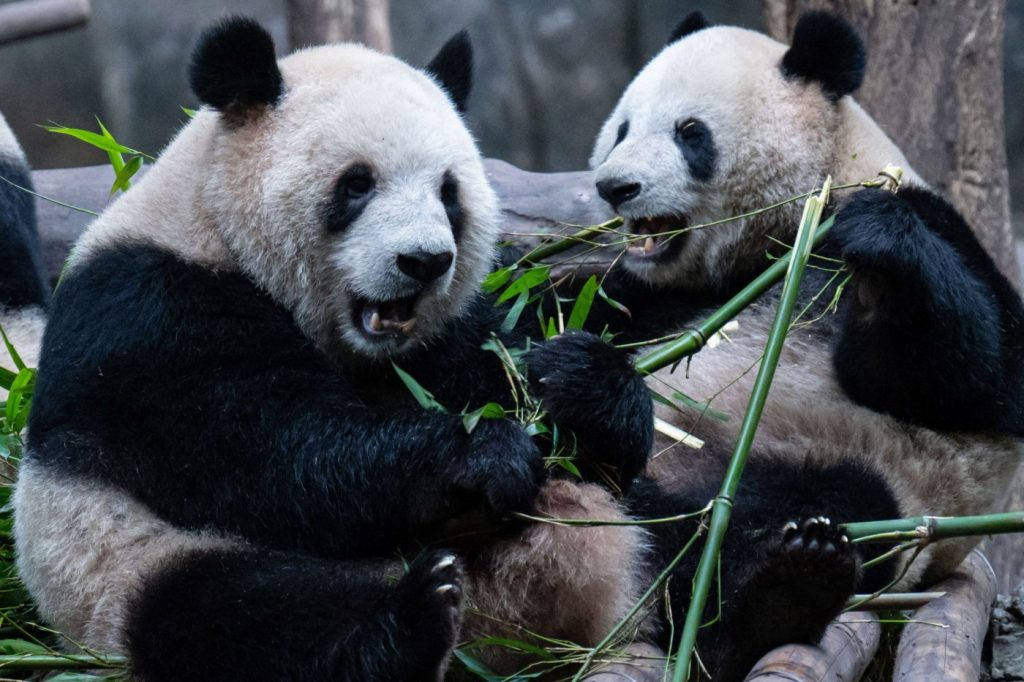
x: 935, y: 527
x: 553, y: 248
x: 694, y: 340
x: 58, y: 662
x: 722, y: 509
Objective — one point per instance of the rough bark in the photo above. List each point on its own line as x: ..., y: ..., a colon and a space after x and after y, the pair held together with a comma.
x: 32, y: 18
x: 935, y: 85
x: 320, y: 22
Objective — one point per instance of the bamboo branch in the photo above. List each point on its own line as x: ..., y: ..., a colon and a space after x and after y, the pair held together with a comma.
x: 722, y: 510
x: 60, y: 662
x: 930, y: 528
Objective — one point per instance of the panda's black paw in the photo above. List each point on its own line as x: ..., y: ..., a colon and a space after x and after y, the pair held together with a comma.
x: 592, y: 389
x: 428, y: 615
x: 503, y: 465
x: 875, y: 230
x: 814, y: 561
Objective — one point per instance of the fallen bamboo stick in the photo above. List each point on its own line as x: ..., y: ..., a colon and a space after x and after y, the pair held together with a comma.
x: 944, y: 640
x: 843, y: 654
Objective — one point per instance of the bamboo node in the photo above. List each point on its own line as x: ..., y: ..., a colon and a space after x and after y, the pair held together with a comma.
x: 889, y: 178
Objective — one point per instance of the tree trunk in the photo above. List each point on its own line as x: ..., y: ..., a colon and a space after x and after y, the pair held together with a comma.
x: 320, y: 22
x: 935, y: 84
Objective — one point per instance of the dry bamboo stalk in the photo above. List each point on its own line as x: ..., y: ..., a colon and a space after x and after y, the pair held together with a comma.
x: 844, y: 653
x: 641, y: 663
x: 31, y: 18
x: 944, y: 643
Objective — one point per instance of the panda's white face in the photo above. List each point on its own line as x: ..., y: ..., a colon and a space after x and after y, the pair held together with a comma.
x: 709, y: 129
x: 358, y: 201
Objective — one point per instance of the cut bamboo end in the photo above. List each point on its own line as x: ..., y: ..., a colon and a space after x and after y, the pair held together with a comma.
x: 843, y: 655
x: 944, y: 641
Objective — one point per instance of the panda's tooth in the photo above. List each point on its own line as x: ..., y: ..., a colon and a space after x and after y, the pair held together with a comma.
x: 649, y: 245
x: 375, y: 324
x: 407, y: 326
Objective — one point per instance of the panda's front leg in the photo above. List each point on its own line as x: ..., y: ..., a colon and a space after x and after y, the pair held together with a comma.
x: 931, y: 328
x: 592, y: 390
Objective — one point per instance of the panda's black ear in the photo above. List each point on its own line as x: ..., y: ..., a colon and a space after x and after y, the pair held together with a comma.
x: 694, y: 21
x: 452, y: 67
x: 234, y: 68
x: 826, y: 50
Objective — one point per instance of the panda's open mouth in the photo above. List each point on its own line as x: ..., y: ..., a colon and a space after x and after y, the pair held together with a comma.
x: 662, y: 237
x: 392, y: 319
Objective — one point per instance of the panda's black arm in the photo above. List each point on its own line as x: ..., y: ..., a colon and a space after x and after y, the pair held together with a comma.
x: 932, y: 331
x: 197, y: 393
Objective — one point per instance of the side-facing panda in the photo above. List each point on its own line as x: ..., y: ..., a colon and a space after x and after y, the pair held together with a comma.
x: 23, y: 293
x: 908, y: 400
x: 222, y: 461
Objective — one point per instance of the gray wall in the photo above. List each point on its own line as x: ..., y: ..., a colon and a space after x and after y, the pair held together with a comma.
x: 548, y: 71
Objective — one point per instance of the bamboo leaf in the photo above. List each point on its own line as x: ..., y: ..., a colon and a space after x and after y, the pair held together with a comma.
x: 95, y: 139
x: 15, y: 358
x: 123, y: 179
x: 20, y: 646
x: 513, y: 644
x: 496, y: 279
x: 488, y: 411
x: 700, y: 406
x: 191, y: 113
x: 424, y: 397
x: 116, y: 160
x: 613, y: 303
x: 581, y: 307
x: 514, y: 313
x: 528, y: 280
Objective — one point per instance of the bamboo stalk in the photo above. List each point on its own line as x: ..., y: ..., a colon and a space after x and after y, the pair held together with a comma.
x: 557, y: 246
x: 722, y: 509
x: 935, y: 527
x: 893, y: 601
x: 59, y: 662
x: 694, y: 340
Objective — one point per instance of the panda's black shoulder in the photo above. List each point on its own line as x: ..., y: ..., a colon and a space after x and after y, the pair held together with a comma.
x: 21, y: 283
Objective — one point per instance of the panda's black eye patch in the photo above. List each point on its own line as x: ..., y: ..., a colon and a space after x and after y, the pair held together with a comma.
x: 697, y: 144
x: 352, y: 193
x: 620, y: 135
x: 452, y: 205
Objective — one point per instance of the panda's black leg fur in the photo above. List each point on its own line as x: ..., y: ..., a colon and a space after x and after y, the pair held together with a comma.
x: 931, y: 331
x: 785, y: 572
x: 242, y: 615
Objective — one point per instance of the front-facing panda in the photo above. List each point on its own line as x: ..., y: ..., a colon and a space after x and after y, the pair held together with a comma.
x: 222, y: 460
x: 907, y: 401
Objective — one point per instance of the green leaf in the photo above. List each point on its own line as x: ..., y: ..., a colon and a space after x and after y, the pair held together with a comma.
x: 95, y: 139
x: 613, y: 303
x: 552, y: 330
x: 12, y: 647
x: 568, y: 465
x: 483, y: 672
x: 6, y: 377
x: 15, y: 358
x: 488, y: 411
x: 116, y: 160
x: 424, y: 397
x: 191, y: 113
x: 700, y: 406
x: 529, y: 279
x: 512, y: 318
x: 496, y: 279
x: 18, y: 400
x: 584, y: 301
x: 123, y: 179
x: 537, y: 429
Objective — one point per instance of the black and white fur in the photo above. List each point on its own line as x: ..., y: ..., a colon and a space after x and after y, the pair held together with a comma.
x: 223, y: 465
x: 908, y: 401
x: 23, y: 292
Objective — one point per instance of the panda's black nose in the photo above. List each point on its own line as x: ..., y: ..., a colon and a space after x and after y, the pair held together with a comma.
x: 425, y: 266
x: 617, y: 191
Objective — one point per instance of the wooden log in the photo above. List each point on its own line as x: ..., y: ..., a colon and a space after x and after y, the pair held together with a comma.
x: 31, y: 18
x: 843, y: 655
x: 322, y: 22
x: 532, y: 204
x: 944, y: 642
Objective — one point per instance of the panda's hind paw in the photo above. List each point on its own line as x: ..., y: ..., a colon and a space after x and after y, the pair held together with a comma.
x: 814, y: 556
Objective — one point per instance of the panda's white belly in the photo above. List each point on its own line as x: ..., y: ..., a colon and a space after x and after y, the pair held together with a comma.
x: 808, y: 416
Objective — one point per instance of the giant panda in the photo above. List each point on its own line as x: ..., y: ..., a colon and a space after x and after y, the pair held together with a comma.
x: 23, y: 292
x: 908, y: 400
x: 225, y: 476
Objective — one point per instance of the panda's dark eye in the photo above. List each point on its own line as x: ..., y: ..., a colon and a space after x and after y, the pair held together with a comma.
x: 357, y: 181
x: 452, y: 205
x: 620, y: 135
x: 352, y: 194
x: 697, y: 144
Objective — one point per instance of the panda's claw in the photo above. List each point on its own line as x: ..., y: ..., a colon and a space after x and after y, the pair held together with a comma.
x: 445, y: 561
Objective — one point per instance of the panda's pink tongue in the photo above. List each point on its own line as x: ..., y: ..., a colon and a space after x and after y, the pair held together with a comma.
x: 389, y: 316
